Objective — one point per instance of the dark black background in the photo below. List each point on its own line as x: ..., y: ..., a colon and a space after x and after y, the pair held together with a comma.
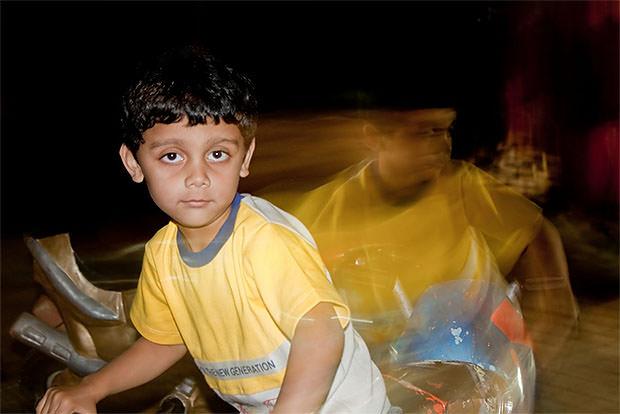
x: 65, y: 65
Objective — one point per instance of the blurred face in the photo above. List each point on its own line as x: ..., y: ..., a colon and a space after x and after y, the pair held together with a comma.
x: 412, y: 148
x: 192, y: 172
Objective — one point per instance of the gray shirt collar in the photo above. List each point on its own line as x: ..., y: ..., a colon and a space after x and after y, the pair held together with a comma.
x: 207, y: 254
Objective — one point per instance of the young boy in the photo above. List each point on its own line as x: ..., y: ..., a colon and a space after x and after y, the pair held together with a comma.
x: 232, y: 279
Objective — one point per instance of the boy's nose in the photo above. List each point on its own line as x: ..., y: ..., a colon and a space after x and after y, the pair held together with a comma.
x: 198, y: 175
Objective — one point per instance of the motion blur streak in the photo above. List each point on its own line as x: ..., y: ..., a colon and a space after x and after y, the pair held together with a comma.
x: 421, y: 245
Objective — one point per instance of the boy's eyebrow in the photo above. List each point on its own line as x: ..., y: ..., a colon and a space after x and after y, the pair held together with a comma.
x: 217, y: 140
x: 164, y: 142
x: 178, y: 141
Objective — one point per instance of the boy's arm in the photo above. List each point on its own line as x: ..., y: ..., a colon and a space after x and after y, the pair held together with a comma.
x: 547, y: 300
x: 316, y: 349
x: 142, y: 362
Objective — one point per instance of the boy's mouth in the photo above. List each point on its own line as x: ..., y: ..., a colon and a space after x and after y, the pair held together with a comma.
x: 195, y: 202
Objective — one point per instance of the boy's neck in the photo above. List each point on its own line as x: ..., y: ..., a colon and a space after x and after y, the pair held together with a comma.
x: 397, y: 195
x: 197, y: 239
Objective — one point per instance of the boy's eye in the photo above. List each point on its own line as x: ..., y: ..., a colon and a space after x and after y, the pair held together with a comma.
x: 218, y: 156
x: 171, y: 158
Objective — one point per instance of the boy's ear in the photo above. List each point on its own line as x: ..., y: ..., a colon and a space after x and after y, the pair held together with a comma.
x: 245, y: 167
x: 372, y: 137
x: 131, y: 164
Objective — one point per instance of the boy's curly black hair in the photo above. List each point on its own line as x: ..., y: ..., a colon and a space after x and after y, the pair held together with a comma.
x: 187, y: 83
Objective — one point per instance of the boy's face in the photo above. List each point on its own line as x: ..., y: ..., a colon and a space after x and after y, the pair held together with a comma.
x: 412, y: 147
x: 192, y: 172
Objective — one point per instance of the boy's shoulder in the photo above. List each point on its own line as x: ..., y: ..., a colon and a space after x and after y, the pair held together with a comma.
x: 262, y: 215
x: 163, y: 238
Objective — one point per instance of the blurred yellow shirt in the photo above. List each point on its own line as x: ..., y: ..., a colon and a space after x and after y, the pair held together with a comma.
x: 383, y: 256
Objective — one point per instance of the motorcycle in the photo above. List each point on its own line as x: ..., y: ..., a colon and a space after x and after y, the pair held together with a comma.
x: 461, y: 349
x: 81, y: 327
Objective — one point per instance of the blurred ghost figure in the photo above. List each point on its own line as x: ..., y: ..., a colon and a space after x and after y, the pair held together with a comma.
x: 408, y: 223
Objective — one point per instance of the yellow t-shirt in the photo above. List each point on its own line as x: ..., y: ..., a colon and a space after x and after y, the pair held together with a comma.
x: 235, y: 305
x: 383, y: 256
